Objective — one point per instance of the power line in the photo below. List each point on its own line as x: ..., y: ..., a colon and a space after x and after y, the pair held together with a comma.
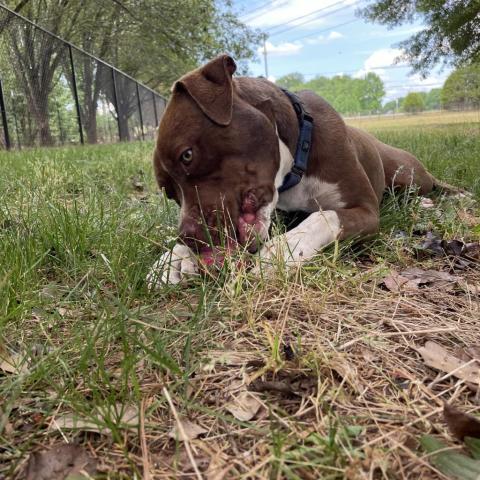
x: 307, y: 15
x: 262, y: 10
x: 313, y: 19
x: 326, y: 29
x: 258, y: 7
x: 336, y: 72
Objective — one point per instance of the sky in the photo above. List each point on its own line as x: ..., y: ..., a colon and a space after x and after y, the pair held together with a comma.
x: 325, y: 37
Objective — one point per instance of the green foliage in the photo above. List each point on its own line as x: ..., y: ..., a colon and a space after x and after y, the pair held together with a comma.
x: 390, y: 107
x: 433, y: 99
x: 450, y: 33
x: 450, y: 463
x: 147, y: 39
x: 344, y: 93
x: 413, y: 103
x: 462, y: 88
x: 292, y: 81
x: 371, y: 91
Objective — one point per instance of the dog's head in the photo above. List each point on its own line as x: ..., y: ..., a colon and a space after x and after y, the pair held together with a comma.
x: 217, y: 156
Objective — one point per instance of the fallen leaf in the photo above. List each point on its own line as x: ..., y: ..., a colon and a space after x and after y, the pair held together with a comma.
x: 461, y: 424
x: 178, y: 461
x: 435, y: 356
x: 60, y: 462
x: 451, y: 464
x: 435, y: 246
x: 52, y: 291
x: 124, y: 417
x: 394, y: 282
x: 12, y: 362
x: 471, y: 289
x: 428, y: 276
x: 231, y: 358
x: 187, y: 430
x: 244, y: 406
x: 473, y: 445
x: 347, y: 370
x: 415, y: 278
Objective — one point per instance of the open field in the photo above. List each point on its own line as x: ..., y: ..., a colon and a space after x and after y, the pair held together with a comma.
x: 426, y: 119
x: 317, y: 375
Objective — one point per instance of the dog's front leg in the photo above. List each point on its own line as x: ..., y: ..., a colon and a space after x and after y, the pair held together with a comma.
x: 303, y: 242
x: 317, y: 231
x: 173, y: 267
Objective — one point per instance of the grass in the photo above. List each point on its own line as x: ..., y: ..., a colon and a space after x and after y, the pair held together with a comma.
x: 340, y: 389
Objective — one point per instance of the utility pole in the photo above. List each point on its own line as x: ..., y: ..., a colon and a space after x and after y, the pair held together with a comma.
x: 265, y: 54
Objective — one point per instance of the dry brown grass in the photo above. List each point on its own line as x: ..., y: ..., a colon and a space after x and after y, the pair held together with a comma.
x: 352, y: 368
x: 426, y: 119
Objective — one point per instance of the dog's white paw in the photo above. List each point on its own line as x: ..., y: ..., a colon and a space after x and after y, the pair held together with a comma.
x: 278, y: 254
x: 173, y: 267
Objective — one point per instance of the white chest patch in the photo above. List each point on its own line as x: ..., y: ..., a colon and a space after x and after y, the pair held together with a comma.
x: 310, y: 195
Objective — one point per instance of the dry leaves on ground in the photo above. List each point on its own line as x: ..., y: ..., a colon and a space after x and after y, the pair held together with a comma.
x: 122, y: 417
x: 13, y: 363
x: 439, y: 247
x: 186, y: 430
x: 61, y: 462
x: 437, y: 357
x: 244, y: 406
x: 414, y: 278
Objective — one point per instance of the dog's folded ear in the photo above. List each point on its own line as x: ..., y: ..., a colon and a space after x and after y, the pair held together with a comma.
x: 212, y: 89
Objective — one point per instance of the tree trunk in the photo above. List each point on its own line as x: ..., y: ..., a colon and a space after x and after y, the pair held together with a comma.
x: 91, y: 126
x: 41, y: 113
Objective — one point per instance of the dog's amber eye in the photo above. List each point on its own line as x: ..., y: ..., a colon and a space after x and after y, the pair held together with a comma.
x: 187, y: 156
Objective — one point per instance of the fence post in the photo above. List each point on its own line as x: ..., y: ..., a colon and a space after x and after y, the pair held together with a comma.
x: 115, y: 103
x: 155, y: 111
x: 140, y: 111
x: 4, y: 118
x: 75, y: 94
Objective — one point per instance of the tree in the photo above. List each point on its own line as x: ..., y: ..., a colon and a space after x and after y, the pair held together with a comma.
x: 36, y: 57
x: 413, y: 103
x: 291, y: 81
x: 147, y: 39
x: 390, y: 107
x: 371, y: 92
x: 451, y: 33
x: 433, y: 100
x: 462, y: 88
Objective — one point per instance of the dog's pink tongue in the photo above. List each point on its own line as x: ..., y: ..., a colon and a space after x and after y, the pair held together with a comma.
x: 247, y: 227
x: 216, y: 256
x: 249, y: 218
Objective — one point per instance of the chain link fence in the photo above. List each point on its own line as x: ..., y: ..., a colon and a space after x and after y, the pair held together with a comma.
x: 53, y: 93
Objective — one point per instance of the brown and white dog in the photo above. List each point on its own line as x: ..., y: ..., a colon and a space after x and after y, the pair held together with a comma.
x: 225, y: 146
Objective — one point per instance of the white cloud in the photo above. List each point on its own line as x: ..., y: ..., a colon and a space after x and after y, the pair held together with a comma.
x: 335, y: 35
x: 415, y: 83
x: 384, y: 57
x: 283, y: 11
x: 272, y: 78
x: 281, y: 49
x: 322, y: 39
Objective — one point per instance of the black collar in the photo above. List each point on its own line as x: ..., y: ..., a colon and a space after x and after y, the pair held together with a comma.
x: 304, y: 144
